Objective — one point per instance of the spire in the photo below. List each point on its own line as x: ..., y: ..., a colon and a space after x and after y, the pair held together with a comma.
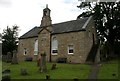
x: 46, y: 5
x: 46, y: 19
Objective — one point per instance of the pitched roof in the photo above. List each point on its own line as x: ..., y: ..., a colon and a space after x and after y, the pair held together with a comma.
x: 69, y: 26
x: 32, y: 33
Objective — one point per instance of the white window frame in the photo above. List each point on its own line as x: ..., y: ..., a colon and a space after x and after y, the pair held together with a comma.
x: 36, y: 47
x: 69, y: 49
x: 54, y: 40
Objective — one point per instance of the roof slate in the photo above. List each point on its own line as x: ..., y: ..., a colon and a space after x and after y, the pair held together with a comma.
x: 69, y: 26
x: 32, y: 33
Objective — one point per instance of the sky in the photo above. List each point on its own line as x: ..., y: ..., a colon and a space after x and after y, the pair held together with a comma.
x: 28, y: 13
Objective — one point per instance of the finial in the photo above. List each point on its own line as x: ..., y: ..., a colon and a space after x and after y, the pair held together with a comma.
x: 46, y: 5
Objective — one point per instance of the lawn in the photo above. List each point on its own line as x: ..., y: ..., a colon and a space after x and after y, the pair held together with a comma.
x: 63, y: 71
x: 0, y: 69
x: 109, y: 70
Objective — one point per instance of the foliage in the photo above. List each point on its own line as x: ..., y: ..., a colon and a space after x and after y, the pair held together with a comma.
x: 9, y: 39
x: 107, y: 20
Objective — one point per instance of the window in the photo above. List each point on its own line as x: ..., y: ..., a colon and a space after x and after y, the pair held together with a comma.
x: 36, y: 47
x: 70, y: 49
x: 54, y: 46
x: 25, y: 51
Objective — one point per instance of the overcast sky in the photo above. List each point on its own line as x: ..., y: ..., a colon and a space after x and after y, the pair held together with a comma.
x: 28, y: 13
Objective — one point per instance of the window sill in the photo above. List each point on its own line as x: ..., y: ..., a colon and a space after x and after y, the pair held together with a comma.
x: 54, y: 54
x: 70, y: 53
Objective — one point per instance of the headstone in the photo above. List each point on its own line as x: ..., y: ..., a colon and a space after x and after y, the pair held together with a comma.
x: 9, y: 57
x: 43, y: 67
x: 76, y: 79
x: 53, y: 66
x: 23, y: 71
x: 6, y: 75
x: 47, y: 77
x: 14, y: 59
x: 38, y: 61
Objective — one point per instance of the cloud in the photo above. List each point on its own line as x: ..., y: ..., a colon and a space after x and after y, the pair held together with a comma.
x: 28, y: 13
x: 5, y: 3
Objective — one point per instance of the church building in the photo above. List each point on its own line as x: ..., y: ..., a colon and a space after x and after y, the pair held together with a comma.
x: 71, y: 40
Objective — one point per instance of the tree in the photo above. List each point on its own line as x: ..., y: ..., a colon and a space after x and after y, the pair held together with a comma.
x: 107, y: 20
x: 9, y: 39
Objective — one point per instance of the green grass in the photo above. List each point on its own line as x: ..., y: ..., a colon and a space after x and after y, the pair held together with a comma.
x: 63, y: 71
x: 108, y: 69
x: 0, y: 69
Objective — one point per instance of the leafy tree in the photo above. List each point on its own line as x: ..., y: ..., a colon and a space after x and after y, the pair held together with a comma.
x: 107, y: 20
x: 9, y: 39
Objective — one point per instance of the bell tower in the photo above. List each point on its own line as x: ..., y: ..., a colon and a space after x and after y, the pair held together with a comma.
x: 46, y: 19
x: 44, y: 37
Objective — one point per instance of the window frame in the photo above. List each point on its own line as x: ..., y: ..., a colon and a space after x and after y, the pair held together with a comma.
x: 25, y: 51
x: 36, y: 51
x: 70, y: 49
x: 56, y: 47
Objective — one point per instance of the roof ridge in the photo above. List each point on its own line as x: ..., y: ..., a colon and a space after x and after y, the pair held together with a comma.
x: 70, y: 21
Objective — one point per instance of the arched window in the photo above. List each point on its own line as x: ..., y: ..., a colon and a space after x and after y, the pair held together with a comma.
x: 54, y: 46
x: 36, y: 47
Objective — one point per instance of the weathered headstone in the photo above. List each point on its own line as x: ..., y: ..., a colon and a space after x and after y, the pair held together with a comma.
x: 53, y: 66
x: 9, y: 57
x: 6, y: 75
x: 43, y: 67
x: 14, y: 59
x: 47, y: 77
x: 23, y: 71
x: 38, y: 61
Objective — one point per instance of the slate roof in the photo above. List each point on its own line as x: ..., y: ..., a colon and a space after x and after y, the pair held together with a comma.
x: 32, y: 33
x: 69, y: 26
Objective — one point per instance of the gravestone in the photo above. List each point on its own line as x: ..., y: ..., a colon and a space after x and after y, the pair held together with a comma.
x: 43, y: 67
x: 47, y: 77
x: 23, y: 71
x: 53, y: 66
x: 14, y: 59
x: 6, y: 75
x: 38, y: 61
x: 9, y: 57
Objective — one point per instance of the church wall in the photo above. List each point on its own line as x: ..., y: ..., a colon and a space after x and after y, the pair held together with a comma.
x: 44, y: 43
x: 77, y: 40
x: 82, y: 42
x: 90, y: 31
x: 27, y: 43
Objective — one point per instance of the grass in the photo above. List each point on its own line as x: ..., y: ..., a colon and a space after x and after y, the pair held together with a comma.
x: 0, y: 69
x: 107, y: 70
x: 63, y: 71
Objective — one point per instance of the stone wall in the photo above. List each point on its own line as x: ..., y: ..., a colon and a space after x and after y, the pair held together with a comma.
x: 82, y: 42
x: 90, y: 36
x: 29, y: 45
x: 44, y: 43
x: 74, y: 38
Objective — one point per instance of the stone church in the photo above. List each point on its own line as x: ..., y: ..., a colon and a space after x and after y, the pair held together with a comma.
x: 71, y: 40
